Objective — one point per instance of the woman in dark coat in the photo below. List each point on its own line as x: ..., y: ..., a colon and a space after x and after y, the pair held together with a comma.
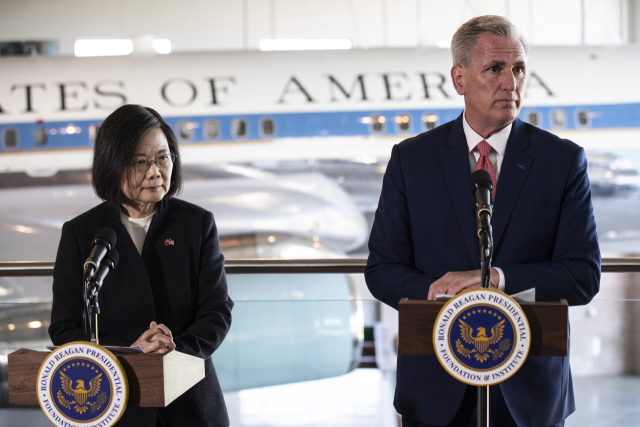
x: 169, y: 289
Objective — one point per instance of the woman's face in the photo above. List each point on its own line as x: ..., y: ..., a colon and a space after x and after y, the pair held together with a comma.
x: 143, y: 188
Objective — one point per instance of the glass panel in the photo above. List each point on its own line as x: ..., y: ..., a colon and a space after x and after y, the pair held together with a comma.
x: 239, y: 128
x: 10, y: 138
x: 40, y: 136
x: 185, y: 131
x: 93, y: 132
x: 377, y: 124
x: 308, y: 349
x: 430, y: 121
x: 403, y: 122
x: 558, y: 119
x: 583, y: 119
x: 268, y: 127
x: 212, y: 129
x: 533, y: 118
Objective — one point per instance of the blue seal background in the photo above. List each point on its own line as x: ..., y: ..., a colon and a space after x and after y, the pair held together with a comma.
x: 485, y: 316
x: 84, y: 369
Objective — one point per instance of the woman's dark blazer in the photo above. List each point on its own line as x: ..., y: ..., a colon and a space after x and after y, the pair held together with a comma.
x: 179, y: 281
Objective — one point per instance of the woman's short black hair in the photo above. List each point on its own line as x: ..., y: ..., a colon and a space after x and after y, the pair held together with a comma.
x: 116, y: 146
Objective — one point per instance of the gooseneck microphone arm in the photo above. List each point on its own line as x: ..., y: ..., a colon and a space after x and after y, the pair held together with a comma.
x: 92, y: 288
x: 481, y: 187
x: 103, y: 243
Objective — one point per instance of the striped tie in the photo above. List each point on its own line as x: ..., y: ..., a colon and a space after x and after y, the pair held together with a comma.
x: 484, y: 163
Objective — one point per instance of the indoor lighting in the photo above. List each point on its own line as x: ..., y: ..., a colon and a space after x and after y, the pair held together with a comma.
x: 304, y: 44
x: 102, y: 47
x: 162, y: 46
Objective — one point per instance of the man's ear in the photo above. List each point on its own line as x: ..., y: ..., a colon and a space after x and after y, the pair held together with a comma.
x: 458, y: 78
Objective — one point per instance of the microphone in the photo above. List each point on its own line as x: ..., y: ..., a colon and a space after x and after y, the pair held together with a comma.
x: 103, y: 243
x: 107, y: 265
x: 481, y: 188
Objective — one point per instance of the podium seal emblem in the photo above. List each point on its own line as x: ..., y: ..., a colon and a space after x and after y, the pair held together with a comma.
x: 81, y: 384
x: 481, y: 336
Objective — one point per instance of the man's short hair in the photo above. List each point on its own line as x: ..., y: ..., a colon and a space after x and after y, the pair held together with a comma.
x: 464, y: 40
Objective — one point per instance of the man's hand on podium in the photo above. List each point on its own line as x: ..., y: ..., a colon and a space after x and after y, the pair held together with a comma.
x: 156, y: 339
x: 457, y: 281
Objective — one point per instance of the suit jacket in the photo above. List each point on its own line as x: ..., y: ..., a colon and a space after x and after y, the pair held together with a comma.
x: 182, y: 285
x: 544, y: 237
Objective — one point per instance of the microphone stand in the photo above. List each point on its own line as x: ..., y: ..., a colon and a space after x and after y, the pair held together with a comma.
x: 486, y: 252
x: 92, y: 309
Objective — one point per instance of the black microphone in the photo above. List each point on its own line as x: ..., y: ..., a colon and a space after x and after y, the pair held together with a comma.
x: 481, y: 187
x: 103, y: 243
x: 107, y: 265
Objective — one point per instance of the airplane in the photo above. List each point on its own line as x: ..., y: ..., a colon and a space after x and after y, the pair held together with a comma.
x: 303, y: 105
x: 262, y: 116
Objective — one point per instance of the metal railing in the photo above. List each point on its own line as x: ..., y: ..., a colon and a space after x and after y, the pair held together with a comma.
x: 258, y: 265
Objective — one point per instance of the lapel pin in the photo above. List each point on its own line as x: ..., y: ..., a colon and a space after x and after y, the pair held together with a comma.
x: 168, y: 242
x: 520, y: 166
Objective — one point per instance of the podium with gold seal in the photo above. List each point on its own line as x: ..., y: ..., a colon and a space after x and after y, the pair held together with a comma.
x: 85, y: 384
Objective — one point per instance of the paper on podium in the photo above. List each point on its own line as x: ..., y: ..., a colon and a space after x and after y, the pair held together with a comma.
x: 113, y: 348
x: 525, y: 296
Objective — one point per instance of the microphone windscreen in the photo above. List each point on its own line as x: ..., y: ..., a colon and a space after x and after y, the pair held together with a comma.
x: 107, y: 235
x: 480, y: 178
x: 113, y: 256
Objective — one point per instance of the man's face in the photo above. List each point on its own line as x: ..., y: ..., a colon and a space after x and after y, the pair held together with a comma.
x: 493, y: 83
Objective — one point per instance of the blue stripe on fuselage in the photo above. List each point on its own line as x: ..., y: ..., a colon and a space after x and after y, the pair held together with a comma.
x: 320, y: 124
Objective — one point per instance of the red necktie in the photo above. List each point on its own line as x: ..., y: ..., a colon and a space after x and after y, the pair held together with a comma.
x: 484, y: 163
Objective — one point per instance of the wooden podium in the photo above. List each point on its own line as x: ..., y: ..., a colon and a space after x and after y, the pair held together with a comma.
x: 155, y: 380
x: 547, y: 320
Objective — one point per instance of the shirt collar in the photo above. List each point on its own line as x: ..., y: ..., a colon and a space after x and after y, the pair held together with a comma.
x: 498, y: 140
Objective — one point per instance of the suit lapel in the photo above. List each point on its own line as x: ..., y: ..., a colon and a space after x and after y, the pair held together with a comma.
x: 455, y: 162
x: 157, y: 260
x: 513, y: 174
x: 136, y: 270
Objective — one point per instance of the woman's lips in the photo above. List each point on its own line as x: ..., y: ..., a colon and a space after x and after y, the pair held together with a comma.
x: 156, y: 188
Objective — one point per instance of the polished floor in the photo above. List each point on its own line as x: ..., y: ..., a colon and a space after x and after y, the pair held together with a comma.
x: 363, y: 398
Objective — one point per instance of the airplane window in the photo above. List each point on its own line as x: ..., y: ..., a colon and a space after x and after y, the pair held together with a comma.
x: 268, y: 127
x: 185, y: 131
x: 558, y: 118
x: 404, y: 123
x: 582, y: 119
x: 93, y: 132
x: 430, y: 121
x: 240, y: 128
x: 40, y: 136
x: 212, y: 129
x: 10, y: 138
x: 377, y: 124
x: 533, y: 118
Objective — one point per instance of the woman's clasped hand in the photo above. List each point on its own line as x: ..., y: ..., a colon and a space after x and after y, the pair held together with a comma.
x: 156, y: 339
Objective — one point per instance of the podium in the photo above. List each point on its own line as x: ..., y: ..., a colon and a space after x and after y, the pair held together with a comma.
x: 155, y: 380
x: 547, y: 320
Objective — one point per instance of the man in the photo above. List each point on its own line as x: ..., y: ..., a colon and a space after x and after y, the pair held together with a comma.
x: 424, y: 240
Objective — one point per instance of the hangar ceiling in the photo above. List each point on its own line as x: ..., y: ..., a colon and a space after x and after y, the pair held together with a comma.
x: 209, y: 25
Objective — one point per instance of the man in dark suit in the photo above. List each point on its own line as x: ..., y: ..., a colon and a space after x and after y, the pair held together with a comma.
x: 424, y: 240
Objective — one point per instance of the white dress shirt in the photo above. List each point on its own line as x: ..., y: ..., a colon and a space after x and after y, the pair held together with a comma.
x: 498, y: 142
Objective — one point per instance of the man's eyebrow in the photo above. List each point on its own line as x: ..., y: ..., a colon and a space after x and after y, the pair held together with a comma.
x: 494, y: 63
x: 502, y: 63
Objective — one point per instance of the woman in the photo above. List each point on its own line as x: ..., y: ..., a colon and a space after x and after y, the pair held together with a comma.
x: 169, y: 289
